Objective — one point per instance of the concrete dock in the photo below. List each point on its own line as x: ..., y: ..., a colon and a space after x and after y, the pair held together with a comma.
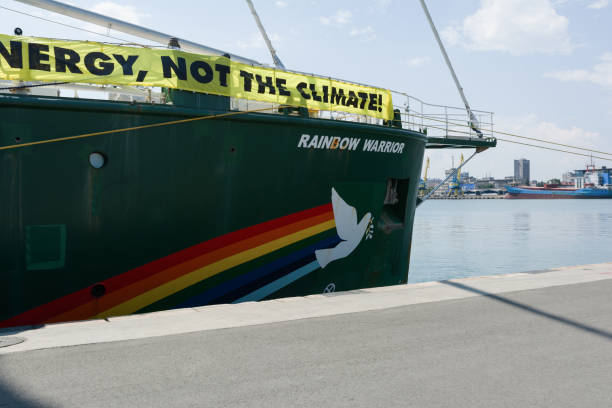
x: 540, y: 339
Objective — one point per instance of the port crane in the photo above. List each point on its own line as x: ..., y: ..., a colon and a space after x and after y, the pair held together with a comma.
x: 423, y: 182
x: 454, y: 187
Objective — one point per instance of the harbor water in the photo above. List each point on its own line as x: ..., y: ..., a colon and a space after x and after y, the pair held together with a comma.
x: 461, y: 238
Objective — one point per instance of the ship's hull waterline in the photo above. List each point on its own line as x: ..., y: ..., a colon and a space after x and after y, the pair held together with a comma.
x: 237, y: 208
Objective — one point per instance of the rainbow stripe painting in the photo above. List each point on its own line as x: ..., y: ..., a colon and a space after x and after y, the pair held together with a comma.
x: 249, y: 264
x: 135, y: 290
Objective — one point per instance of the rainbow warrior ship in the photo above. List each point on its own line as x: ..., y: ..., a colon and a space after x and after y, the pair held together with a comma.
x: 196, y: 177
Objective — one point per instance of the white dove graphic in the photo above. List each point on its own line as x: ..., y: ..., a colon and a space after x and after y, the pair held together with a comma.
x: 347, y: 228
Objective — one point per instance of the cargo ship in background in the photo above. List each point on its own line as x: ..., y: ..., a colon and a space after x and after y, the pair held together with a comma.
x: 556, y: 192
x: 589, y: 183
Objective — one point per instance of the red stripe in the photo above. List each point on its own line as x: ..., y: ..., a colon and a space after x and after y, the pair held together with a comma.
x: 68, y: 302
x: 207, y: 246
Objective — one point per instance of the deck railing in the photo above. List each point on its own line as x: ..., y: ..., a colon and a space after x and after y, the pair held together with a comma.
x: 414, y: 114
x: 441, y: 120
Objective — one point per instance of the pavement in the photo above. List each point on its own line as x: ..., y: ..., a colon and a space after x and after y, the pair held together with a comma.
x: 540, y: 339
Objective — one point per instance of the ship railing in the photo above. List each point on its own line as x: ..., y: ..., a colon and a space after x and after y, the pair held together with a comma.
x: 85, y: 91
x: 238, y: 104
x: 441, y: 121
x: 414, y: 114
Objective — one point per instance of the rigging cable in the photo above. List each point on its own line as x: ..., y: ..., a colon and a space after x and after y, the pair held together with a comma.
x: 410, y: 114
x: 556, y: 150
x: 455, y: 171
x: 525, y: 144
x: 32, y: 85
x: 65, y: 25
x: 474, y: 121
x: 506, y: 134
x: 256, y: 110
x: 264, y: 109
x: 275, y: 58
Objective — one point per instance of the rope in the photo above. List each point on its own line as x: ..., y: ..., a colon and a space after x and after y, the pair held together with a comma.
x: 525, y: 144
x: 227, y: 114
x: 409, y: 114
x: 153, y: 125
x: 32, y: 86
x: 510, y: 134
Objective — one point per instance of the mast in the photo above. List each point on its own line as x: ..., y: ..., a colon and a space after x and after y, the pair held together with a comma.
x: 132, y: 29
x: 473, y: 121
x: 275, y: 58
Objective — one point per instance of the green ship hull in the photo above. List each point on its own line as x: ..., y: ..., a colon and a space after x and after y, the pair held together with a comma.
x: 227, y: 209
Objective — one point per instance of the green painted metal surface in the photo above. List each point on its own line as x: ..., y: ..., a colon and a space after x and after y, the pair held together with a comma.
x: 67, y: 226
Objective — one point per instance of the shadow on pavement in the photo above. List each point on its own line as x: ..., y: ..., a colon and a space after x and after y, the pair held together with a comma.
x: 10, y: 398
x: 590, y: 329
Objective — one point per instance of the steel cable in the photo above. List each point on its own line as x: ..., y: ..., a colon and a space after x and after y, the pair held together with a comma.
x: 64, y: 24
x: 507, y: 134
x: 525, y: 144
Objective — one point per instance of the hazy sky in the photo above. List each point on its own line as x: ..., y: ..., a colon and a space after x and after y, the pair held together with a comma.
x: 544, y: 67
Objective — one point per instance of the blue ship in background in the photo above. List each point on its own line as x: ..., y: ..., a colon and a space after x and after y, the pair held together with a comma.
x: 590, y: 183
x: 558, y: 192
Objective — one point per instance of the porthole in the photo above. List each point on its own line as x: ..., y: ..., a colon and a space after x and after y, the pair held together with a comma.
x: 98, y: 290
x: 97, y: 160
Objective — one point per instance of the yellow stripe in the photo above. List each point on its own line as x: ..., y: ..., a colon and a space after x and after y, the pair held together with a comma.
x: 207, y: 271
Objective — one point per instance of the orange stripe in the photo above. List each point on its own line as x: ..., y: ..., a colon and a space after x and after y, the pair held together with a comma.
x: 111, y: 299
x: 147, y: 298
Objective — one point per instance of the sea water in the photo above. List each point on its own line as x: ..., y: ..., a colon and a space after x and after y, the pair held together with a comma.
x: 460, y: 238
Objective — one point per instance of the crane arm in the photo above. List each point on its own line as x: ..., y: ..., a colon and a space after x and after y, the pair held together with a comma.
x: 459, y: 171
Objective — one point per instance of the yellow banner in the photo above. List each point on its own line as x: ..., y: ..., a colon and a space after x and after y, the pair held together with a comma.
x: 41, y: 59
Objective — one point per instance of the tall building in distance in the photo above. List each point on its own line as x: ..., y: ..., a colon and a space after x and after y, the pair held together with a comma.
x: 521, y: 171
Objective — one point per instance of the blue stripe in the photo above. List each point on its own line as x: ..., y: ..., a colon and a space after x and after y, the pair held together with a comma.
x: 218, y: 291
x: 279, y: 283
